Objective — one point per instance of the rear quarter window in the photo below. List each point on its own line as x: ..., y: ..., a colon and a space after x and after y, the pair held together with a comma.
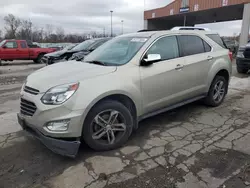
x: 23, y: 44
x: 216, y: 38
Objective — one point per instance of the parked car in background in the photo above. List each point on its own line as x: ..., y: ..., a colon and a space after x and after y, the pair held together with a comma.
x: 101, y: 100
x: 79, y: 48
x: 54, y: 55
x: 232, y: 45
x: 79, y: 56
x: 243, y: 59
x: 19, y: 50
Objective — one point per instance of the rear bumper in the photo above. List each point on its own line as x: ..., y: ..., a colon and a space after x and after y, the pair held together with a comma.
x: 59, y: 146
x: 243, y: 63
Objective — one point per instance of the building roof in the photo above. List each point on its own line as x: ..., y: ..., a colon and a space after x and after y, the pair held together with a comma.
x: 175, y: 7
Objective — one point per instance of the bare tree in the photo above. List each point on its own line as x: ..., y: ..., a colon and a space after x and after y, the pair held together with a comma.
x: 1, y: 34
x: 38, y: 34
x: 12, y: 24
x: 60, y: 34
x: 48, y: 31
x: 25, y: 31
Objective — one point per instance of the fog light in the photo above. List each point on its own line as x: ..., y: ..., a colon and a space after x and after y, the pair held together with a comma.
x: 61, y: 125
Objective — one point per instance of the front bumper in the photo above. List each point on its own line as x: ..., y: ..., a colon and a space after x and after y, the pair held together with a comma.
x: 59, y: 146
x: 51, y: 60
x: 243, y: 63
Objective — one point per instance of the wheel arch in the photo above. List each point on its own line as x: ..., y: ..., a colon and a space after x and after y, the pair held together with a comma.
x: 220, y: 67
x: 125, y: 99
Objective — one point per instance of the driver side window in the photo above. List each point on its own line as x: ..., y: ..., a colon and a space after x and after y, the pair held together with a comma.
x: 167, y: 47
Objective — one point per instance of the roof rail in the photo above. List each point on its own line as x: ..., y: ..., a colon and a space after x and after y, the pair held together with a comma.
x: 147, y: 30
x: 190, y: 28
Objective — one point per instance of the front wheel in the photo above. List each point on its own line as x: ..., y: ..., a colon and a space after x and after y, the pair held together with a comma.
x: 38, y: 59
x: 108, y: 126
x: 217, y: 91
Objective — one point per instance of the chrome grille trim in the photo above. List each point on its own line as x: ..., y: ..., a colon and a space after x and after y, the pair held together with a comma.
x: 31, y: 90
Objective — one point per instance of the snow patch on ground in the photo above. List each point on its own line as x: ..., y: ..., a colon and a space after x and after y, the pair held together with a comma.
x: 240, y: 83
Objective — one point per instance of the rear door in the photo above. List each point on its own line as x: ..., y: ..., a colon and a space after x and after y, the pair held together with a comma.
x: 23, y: 50
x: 10, y: 50
x: 198, y: 60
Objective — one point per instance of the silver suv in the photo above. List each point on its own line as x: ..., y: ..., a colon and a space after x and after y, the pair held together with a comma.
x: 130, y: 78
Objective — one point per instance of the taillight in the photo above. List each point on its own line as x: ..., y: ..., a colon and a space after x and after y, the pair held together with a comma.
x: 230, y: 54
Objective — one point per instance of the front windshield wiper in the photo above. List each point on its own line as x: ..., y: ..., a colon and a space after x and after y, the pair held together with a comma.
x: 97, y: 62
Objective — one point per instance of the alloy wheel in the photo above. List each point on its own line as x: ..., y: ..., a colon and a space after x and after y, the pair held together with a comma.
x: 108, y: 127
x: 219, y: 91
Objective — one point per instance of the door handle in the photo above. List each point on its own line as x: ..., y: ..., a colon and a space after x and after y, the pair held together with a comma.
x: 179, y: 67
x: 209, y: 58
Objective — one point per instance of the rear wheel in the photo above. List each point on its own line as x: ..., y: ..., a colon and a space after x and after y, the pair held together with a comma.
x: 107, y: 126
x: 38, y: 59
x: 242, y: 70
x: 217, y: 91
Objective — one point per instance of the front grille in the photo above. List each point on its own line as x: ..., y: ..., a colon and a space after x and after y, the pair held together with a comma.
x: 31, y: 90
x: 27, y: 108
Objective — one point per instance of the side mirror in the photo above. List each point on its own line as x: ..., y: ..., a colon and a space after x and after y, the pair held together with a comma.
x: 150, y: 59
x: 4, y: 47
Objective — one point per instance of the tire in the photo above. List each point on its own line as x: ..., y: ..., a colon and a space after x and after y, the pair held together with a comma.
x: 241, y: 70
x: 90, y: 127
x: 38, y: 59
x: 210, y: 100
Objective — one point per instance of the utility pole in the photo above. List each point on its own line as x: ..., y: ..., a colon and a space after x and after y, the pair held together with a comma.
x: 122, y: 26
x: 104, y: 32
x: 111, y: 32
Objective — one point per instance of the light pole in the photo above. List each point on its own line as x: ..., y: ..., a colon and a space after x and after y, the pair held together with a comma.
x: 122, y: 26
x: 111, y: 32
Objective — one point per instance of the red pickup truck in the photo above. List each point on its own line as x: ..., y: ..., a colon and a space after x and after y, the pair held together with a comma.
x: 19, y: 50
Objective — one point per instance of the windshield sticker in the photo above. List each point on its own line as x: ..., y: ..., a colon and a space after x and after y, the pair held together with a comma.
x: 139, y: 40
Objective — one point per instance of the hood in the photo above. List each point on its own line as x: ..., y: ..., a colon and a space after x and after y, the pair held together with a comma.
x: 65, y: 72
x: 73, y: 51
x: 56, y: 53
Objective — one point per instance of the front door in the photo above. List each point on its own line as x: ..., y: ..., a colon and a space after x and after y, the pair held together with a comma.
x: 162, y: 82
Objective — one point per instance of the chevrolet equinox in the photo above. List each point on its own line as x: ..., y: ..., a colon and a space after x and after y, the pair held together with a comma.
x: 101, y: 100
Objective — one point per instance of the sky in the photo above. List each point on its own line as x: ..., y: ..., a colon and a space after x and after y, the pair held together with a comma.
x: 83, y: 16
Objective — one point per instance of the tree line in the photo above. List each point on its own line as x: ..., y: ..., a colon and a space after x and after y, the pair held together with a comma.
x: 16, y: 28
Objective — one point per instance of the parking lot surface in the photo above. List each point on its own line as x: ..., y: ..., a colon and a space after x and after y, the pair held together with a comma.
x: 190, y: 147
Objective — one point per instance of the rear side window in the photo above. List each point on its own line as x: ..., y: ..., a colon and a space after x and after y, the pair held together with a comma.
x: 190, y: 45
x: 167, y: 47
x: 216, y: 38
x: 23, y: 44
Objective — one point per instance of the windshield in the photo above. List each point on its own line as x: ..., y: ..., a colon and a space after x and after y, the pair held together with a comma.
x: 1, y: 43
x: 117, y: 51
x: 84, y: 45
x: 96, y: 44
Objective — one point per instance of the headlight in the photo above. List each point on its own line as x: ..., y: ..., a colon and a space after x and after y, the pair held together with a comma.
x: 240, y: 54
x: 59, y: 94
